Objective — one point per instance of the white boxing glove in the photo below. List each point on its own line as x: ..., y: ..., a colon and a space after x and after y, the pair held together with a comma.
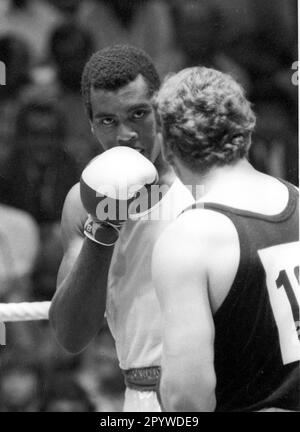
x: 108, y: 184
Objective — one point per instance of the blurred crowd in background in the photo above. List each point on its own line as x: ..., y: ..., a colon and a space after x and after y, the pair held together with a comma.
x: 45, y: 141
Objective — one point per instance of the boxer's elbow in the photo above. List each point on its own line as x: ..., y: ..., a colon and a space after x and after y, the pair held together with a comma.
x: 65, y: 332
x: 71, y: 346
x: 69, y: 341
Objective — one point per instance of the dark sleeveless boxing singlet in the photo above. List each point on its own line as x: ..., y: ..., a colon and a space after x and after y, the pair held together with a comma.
x: 257, y: 327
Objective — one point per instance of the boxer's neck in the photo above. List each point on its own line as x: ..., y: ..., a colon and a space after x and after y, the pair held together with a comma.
x: 166, y: 174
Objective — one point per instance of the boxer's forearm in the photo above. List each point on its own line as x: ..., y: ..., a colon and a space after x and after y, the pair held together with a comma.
x: 78, y: 307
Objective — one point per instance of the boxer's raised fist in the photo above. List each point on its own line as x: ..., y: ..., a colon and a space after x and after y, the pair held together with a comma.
x: 109, y: 183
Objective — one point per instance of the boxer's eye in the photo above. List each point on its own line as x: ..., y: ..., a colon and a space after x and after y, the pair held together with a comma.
x: 106, y: 121
x: 139, y: 114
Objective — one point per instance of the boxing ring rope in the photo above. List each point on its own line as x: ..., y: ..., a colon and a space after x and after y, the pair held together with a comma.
x: 13, y: 312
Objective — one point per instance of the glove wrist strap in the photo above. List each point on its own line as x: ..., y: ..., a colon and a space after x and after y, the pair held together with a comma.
x: 103, y: 233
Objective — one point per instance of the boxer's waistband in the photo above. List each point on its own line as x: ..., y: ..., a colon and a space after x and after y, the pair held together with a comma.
x: 142, y: 379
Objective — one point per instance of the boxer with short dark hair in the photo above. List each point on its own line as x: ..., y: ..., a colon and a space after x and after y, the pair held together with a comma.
x: 115, y: 67
x: 227, y: 270
x: 107, y: 262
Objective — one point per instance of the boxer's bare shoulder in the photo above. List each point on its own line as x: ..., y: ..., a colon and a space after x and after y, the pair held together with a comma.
x: 198, y: 243
x: 204, y: 234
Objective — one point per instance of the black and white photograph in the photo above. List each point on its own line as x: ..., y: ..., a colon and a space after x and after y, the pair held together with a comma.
x: 149, y: 209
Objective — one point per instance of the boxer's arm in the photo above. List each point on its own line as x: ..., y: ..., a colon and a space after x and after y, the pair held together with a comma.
x: 194, y: 265
x: 78, y: 306
x: 180, y: 278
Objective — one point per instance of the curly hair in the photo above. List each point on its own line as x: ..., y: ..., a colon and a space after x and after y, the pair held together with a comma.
x: 114, y: 67
x: 206, y: 118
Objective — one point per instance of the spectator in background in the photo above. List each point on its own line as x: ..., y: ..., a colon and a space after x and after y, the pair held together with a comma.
x: 142, y: 23
x: 15, y: 54
x: 70, y: 47
x: 268, y: 51
x: 100, y: 373
x: 68, y: 8
x: 19, y: 248
x: 248, y: 17
x: 197, y: 29
x: 275, y: 141
x: 64, y: 394
x: 40, y: 172
x: 20, y: 387
x: 32, y: 21
x: 38, y: 176
x: 17, y: 229
x: 268, y: 66
x: 47, y: 263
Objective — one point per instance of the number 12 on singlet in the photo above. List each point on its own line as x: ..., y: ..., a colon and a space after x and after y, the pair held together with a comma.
x: 281, y: 264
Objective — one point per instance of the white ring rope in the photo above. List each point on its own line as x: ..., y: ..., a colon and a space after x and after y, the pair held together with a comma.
x: 24, y: 311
